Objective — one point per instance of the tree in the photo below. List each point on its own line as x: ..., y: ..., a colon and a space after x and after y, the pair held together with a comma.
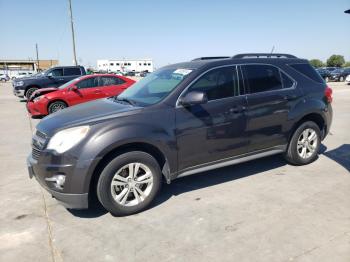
x: 347, y: 64
x: 316, y: 63
x: 336, y: 60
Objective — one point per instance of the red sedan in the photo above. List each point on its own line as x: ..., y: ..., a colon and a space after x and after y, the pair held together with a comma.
x: 82, y: 89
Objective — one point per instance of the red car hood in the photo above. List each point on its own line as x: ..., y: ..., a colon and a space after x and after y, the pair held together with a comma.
x: 42, y: 91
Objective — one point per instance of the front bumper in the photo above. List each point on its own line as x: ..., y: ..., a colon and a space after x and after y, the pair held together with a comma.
x: 41, y: 171
x: 18, y: 93
x: 34, y: 110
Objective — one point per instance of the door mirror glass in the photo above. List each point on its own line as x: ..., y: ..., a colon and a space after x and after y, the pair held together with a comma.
x: 194, y: 98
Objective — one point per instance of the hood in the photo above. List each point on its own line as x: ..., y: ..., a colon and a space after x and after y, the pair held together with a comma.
x: 85, y: 114
x: 42, y: 91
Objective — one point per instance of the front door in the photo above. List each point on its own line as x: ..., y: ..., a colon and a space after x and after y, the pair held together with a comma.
x: 215, y: 130
x: 87, y: 89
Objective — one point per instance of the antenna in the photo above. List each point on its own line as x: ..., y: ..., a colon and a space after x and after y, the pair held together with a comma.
x: 273, y: 49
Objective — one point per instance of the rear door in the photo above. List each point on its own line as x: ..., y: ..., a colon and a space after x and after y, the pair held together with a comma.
x: 270, y: 96
x: 87, y: 89
x: 111, y: 85
x: 70, y: 73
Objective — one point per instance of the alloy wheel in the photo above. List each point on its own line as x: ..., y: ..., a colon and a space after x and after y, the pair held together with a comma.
x: 307, y: 143
x: 132, y: 184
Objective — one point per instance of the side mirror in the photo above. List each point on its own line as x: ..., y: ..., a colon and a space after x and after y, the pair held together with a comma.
x: 194, y: 98
x: 73, y: 88
x: 50, y: 76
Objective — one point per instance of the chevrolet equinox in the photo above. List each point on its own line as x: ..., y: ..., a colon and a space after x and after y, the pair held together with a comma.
x: 180, y: 120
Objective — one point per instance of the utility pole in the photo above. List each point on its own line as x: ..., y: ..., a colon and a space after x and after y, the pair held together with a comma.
x: 72, y: 27
x: 37, y: 58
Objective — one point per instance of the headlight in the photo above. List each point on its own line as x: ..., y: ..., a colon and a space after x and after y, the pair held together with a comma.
x: 66, y: 139
x: 19, y: 83
x: 37, y: 98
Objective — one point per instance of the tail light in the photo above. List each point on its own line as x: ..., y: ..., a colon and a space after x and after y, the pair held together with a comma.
x: 328, y: 94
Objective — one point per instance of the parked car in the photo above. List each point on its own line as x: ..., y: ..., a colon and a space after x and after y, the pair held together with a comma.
x: 340, y: 75
x: 21, y: 75
x: 144, y: 73
x: 79, y: 90
x: 347, y: 79
x: 325, y: 74
x: 52, y: 77
x: 4, y: 78
x: 330, y: 69
x: 181, y: 120
x: 130, y: 73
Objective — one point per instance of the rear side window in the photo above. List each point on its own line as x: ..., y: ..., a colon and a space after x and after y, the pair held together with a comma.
x: 110, y: 81
x: 72, y: 71
x: 262, y: 78
x: 308, y: 71
x: 287, y: 82
x: 218, y: 83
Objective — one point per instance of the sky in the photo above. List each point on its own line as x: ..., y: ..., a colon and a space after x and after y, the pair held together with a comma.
x: 173, y: 31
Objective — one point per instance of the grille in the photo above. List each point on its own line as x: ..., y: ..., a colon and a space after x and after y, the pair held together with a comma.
x: 36, y: 153
x: 40, y: 134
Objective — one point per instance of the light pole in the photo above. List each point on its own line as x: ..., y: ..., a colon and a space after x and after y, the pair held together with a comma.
x: 72, y: 27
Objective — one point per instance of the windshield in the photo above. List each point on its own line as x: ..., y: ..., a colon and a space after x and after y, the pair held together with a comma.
x: 155, y: 86
x: 69, y: 83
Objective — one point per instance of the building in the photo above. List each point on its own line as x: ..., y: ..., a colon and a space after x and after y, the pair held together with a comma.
x: 12, y: 67
x: 125, y: 65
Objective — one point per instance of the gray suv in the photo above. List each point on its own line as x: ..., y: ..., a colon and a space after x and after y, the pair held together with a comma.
x: 181, y: 120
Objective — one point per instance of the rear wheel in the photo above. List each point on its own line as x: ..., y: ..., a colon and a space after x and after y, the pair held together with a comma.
x: 30, y: 91
x: 129, y: 183
x: 56, y: 106
x: 304, y: 144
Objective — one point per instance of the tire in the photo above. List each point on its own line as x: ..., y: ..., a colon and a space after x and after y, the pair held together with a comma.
x: 294, y: 154
x: 128, y: 203
x: 30, y: 91
x: 56, y: 106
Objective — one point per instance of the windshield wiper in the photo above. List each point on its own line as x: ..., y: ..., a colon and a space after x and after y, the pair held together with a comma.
x: 123, y: 99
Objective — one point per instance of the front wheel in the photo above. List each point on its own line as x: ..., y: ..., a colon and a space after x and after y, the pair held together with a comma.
x: 56, y: 106
x: 129, y: 183
x: 30, y: 91
x: 304, y: 144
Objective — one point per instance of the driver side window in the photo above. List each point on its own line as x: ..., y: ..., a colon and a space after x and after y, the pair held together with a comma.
x: 87, y: 83
x: 56, y: 72
x: 218, y: 83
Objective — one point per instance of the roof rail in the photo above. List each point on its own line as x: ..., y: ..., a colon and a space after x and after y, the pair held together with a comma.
x: 211, y: 57
x: 264, y: 55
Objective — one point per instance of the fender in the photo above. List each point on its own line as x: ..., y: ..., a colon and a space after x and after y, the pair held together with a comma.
x: 110, y: 137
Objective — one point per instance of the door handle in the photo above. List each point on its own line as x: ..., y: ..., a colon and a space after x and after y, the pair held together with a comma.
x: 289, y: 97
x: 237, y: 109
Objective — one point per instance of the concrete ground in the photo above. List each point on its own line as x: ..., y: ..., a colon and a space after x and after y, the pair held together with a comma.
x: 263, y: 210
